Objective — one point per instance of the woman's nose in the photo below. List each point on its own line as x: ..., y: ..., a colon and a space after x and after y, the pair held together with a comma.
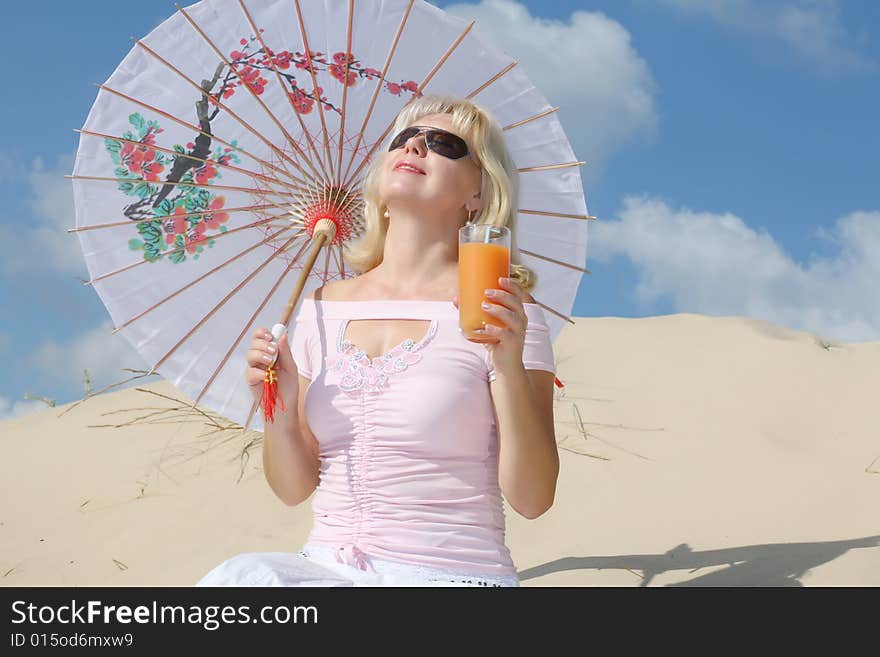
x: 416, y: 143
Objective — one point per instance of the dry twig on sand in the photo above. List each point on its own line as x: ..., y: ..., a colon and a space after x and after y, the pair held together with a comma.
x: 45, y: 400
x: 178, y: 412
x: 139, y: 374
x: 182, y: 411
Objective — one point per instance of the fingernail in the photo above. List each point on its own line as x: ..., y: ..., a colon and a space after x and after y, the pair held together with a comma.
x: 270, y: 348
x: 268, y: 359
x: 486, y: 305
x: 489, y: 292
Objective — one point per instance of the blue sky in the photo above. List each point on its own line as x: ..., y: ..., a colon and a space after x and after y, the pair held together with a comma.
x: 733, y: 145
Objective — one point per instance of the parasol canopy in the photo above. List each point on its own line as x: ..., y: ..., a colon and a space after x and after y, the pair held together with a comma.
x: 218, y: 173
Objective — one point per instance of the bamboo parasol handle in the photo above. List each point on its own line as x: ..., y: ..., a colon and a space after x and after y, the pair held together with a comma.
x: 323, y: 233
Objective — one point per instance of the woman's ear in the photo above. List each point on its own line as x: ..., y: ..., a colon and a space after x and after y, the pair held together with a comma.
x: 475, y: 204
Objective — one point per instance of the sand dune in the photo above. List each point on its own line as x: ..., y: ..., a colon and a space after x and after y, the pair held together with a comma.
x: 694, y: 450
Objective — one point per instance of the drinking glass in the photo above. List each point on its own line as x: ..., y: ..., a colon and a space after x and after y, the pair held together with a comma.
x: 483, y: 258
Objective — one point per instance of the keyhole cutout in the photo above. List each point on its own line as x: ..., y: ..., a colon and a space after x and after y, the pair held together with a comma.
x: 379, y: 337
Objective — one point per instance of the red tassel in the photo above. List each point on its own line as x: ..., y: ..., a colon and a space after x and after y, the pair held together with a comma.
x: 270, y: 395
x: 559, y: 384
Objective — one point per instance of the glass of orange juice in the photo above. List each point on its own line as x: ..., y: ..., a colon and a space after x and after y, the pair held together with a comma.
x: 483, y: 258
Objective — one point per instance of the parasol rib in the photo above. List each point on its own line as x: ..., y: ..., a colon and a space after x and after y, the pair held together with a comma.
x: 127, y: 222
x: 558, y: 262
x: 344, y: 91
x: 184, y: 184
x: 492, y: 79
x: 557, y: 214
x: 555, y: 312
x: 517, y: 124
x: 548, y: 167
x: 338, y: 188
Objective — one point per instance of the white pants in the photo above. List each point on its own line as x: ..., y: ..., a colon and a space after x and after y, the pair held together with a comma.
x: 317, y: 567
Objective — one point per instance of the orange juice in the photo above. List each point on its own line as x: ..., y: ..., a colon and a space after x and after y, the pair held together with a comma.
x: 480, y: 265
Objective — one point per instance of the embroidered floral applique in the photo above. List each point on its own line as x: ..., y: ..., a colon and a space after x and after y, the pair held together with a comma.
x: 357, y: 371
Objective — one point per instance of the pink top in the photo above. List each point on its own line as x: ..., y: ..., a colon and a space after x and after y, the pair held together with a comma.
x: 408, y: 442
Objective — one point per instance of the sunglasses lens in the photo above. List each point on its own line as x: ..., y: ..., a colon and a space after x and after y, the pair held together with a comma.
x: 447, y: 145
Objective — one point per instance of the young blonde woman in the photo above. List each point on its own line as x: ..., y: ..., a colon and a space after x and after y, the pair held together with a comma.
x: 407, y: 433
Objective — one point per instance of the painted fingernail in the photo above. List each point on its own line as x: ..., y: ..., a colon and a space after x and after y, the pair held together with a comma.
x: 270, y: 348
x: 489, y: 293
x: 267, y: 359
x: 486, y: 305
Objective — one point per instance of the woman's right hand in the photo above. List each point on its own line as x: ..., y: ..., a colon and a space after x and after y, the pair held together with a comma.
x: 259, y: 356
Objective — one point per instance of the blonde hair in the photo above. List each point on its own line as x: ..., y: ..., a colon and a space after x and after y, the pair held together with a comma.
x: 499, y: 190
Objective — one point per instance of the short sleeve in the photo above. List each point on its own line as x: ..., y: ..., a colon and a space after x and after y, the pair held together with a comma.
x: 537, y: 349
x: 301, y: 345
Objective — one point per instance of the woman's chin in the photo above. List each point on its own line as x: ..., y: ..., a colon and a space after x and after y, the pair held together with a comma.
x: 408, y: 196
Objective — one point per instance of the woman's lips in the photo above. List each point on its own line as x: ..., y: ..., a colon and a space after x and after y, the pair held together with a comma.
x: 407, y: 169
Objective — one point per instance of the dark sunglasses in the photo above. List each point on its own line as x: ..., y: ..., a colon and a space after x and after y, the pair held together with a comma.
x: 437, y: 140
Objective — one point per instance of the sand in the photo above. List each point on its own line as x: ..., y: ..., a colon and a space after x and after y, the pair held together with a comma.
x: 695, y: 450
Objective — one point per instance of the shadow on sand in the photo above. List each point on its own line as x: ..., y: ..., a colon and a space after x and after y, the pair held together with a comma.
x: 779, y: 564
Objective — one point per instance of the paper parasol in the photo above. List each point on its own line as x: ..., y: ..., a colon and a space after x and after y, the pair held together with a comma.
x: 228, y: 148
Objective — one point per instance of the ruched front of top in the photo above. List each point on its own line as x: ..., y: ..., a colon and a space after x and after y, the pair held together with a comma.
x: 408, y: 440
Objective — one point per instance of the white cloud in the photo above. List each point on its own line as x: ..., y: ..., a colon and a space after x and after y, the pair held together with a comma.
x: 586, y: 65
x: 99, y: 351
x: 813, y: 29
x: 10, y: 409
x: 10, y: 170
x: 715, y: 264
x: 42, y: 242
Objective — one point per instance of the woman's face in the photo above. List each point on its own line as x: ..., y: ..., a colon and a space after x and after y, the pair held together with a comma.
x: 444, y: 187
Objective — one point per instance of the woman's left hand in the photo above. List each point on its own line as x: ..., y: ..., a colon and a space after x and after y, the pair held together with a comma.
x: 506, y: 305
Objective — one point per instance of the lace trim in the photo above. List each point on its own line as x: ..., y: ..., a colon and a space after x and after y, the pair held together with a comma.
x: 357, y: 371
x: 426, y: 573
